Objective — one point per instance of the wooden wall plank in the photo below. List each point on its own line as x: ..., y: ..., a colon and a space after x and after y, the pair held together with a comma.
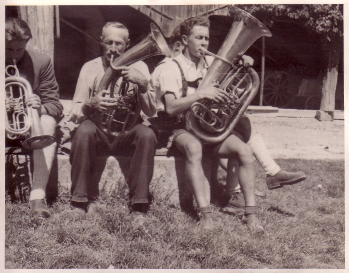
x: 178, y: 13
x: 41, y: 22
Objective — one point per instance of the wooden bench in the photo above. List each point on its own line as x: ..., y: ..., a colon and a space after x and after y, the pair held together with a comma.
x: 169, y: 182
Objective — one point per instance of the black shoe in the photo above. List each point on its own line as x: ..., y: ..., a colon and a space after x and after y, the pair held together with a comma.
x: 77, y: 210
x: 38, y: 208
x: 139, y: 213
x: 139, y: 208
x: 284, y: 178
x: 236, y: 203
x: 253, y: 223
x: 206, y: 222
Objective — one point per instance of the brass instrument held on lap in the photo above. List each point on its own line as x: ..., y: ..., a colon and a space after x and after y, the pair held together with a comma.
x: 213, y: 122
x: 127, y: 113
x: 22, y: 122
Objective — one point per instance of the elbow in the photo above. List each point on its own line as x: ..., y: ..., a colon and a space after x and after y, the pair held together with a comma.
x: 171, y: 112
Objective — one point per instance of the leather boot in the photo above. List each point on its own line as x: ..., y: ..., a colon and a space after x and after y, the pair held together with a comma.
x: 284, y: 178
x: 236, y: 202
x: 77, y: 210
x: 253, y: 223
x: 38, y: 208
x: 206, y: 222
x: 250, y: 218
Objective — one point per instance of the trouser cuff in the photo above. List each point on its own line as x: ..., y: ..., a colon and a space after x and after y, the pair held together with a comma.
x: 79, y: 199
x: 139, y: 201
x: 261, y: 153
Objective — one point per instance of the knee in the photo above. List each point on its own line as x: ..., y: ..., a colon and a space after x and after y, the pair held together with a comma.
x: 193, y: 150
x: 53, y: 146
x: 84, y: 132
x: 244, y: 127
x: 147, y: 135
x: 245, y: 154
x: 48, y: 125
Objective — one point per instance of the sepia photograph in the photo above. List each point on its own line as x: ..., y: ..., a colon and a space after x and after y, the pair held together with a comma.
x: 174, y: 136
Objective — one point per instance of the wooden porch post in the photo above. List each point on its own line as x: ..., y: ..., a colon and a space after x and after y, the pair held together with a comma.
x: 262, y: 73
x: 41, y: 22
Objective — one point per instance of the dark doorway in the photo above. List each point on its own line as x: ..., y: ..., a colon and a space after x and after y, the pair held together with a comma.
x: 80, y: 29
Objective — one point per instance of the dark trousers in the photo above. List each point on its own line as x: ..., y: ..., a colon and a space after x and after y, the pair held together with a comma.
x: 89, y: 141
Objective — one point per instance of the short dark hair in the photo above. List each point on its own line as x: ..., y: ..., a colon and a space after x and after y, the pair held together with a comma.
x: 191, y: 22
x: 115, y: 24
x: 16, y: 29
x: 175, y: 36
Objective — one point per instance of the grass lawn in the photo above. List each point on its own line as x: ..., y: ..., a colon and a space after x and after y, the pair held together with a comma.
x: 304, y: 227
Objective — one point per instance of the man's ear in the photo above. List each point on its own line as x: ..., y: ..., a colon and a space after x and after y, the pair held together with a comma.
x: 127, y: 43
x: 185, y: 39
x: 100, y: 40
x: 177, y: 45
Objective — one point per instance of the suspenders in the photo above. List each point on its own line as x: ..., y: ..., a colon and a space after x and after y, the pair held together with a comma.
x: 184, y: 81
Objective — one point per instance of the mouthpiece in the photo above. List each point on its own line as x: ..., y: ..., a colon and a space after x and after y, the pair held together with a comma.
x: 204, y: 51
x: 12, y: 70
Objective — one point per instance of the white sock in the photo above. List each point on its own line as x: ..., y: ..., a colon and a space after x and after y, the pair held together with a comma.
x: 261, y: 153
x: 37, y: 194
x: 43, y: 160
x: 237, y: 189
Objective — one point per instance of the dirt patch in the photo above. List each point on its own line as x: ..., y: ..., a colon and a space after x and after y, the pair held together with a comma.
x: 303, y: 138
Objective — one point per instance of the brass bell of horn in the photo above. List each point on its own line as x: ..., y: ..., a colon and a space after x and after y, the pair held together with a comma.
x: 23, y: 121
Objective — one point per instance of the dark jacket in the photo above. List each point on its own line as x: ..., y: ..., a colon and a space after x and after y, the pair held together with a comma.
x: 37, y: 68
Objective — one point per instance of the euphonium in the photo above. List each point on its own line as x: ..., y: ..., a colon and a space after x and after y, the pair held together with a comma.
x: 22, y: 121
x: 126, y: 114
x: 213, y: 122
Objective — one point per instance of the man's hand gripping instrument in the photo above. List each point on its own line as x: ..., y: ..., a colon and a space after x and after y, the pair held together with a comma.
x: 213, y: 122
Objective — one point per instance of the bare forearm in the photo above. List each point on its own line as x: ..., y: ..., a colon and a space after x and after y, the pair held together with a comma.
x: 147, y: 101
x: 178, y: 106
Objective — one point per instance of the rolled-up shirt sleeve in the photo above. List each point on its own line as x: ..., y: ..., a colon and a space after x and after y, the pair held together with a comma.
x: 89, y: 78
x: 169, y: 80
x: 147, y: 99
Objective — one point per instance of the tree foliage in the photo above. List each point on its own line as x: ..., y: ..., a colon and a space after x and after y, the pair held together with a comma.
x: 326, y: 20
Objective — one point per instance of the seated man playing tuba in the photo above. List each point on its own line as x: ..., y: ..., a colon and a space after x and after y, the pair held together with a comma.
x: 90, y: 141
x: 275, y: 176
x: 178, y: 94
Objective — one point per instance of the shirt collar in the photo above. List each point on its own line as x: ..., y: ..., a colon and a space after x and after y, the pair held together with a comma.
x: 183, y: 60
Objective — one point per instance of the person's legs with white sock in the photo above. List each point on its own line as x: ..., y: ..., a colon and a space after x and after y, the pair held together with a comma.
x: 43, y: 160
x: 275, y: 176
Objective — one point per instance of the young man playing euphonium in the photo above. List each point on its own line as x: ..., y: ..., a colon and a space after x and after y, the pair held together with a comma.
x: 37, y: 69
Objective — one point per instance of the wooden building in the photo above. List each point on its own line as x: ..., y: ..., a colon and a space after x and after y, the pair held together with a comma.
x: 70, y: 36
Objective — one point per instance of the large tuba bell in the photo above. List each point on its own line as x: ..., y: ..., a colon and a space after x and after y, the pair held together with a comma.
x: 213, y: 122
x: 22, y: 122
x: 126, y: 114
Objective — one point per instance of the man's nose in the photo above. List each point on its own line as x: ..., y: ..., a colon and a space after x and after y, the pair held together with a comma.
x: 114, y: 48
x: 14, y: 55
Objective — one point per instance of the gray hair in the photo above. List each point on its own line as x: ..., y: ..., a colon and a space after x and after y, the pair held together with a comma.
x: 116, y: 25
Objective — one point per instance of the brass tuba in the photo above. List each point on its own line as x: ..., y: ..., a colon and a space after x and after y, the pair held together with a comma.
x: 126, y: 114
x: 22, y: 121
x: 213, y: 122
